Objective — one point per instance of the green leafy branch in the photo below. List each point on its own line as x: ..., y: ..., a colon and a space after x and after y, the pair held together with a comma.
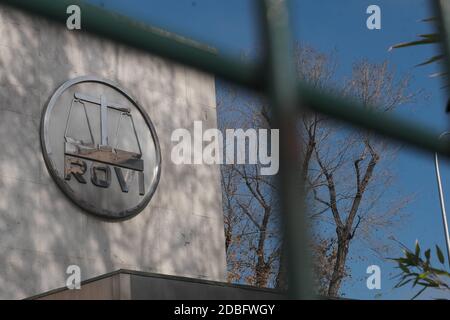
x: 417, y: 270
x: 425, y: 39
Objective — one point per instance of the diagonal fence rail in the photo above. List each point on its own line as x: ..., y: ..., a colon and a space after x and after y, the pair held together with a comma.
x: 273, y: 76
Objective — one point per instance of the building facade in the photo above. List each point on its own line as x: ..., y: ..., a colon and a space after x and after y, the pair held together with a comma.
x: 180, y: 232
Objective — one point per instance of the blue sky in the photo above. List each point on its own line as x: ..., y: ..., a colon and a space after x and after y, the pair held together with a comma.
x: 327, y: 25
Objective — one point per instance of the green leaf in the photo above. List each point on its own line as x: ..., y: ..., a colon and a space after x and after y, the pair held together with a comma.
x: 412, y: 43
x: 397, y: 259
x: 428, y: 254
x: 417, y: 253
x: 431, y: 36
x: 423, y: 275
x: 429, y: 284
x: 431, y: 19
x: 418, y: 293
x: 440, y: 272
x: 440, y: 255
x: 403, y: 268
x: 432, y: 283
x: 410, y: 259
x: 402, y: 283
x: 431, y: 60
x: 438, y: 74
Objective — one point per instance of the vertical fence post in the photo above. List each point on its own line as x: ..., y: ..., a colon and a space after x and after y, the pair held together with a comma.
x: 281, y: 86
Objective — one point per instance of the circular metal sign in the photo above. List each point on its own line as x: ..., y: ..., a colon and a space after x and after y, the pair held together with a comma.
x: 101, y: 148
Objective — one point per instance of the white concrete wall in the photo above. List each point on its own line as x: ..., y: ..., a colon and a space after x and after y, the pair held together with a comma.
x: 41, y: 231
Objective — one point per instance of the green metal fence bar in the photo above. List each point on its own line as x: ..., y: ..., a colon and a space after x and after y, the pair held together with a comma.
x: 156, y: 41
x: 367, y: 118
x: 282, y: 92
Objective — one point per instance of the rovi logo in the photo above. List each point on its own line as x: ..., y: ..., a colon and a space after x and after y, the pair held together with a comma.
x: 100, y: 147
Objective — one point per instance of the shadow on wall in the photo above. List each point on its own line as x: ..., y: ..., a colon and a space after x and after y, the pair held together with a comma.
x: 41, y: 231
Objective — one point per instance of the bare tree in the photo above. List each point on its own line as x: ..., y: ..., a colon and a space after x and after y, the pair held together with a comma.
x: 250, y: 206
x: 347, y: 162
x: 344, y: 189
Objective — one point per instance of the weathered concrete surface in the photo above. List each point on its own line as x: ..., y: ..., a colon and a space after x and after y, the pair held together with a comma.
x: 41, y: 231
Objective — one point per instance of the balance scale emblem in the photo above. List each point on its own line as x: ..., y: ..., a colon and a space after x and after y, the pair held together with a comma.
x: 101, y: 133
x: 102, y: 152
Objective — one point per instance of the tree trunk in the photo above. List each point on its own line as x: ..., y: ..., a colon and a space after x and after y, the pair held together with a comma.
x: 261, y: 270
x: 281, y: 280
x: 339, y: 267
x: 228, y: 237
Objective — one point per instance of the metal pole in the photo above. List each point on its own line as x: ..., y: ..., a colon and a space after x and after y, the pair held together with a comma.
x: 441, y: 199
